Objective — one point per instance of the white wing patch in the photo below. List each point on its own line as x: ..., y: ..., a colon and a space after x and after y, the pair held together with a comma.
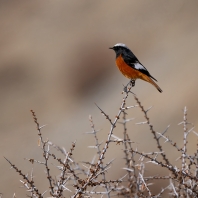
x: 139, y: 66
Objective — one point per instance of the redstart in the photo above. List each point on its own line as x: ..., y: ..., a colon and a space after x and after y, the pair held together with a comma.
x: 130, y: 66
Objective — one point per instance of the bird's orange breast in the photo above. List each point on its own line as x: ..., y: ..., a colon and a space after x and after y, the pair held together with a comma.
x: 126, y: 70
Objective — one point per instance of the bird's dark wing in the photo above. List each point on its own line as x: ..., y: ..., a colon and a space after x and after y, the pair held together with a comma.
x: 133, y: 62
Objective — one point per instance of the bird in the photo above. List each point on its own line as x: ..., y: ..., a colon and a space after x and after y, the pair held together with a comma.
x: 131, y: 67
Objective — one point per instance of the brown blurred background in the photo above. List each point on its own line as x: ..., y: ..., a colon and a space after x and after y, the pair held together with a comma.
x: 54, y: 59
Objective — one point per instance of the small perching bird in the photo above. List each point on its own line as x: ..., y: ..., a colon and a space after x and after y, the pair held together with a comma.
x: 130, y: 66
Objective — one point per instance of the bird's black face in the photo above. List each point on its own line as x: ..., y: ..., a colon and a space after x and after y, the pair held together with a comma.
x: 118, y: 50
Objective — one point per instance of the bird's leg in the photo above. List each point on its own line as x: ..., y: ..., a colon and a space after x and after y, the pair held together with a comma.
x: 132, y: 82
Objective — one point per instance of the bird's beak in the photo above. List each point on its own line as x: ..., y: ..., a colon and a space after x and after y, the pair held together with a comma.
x: 111, y: 48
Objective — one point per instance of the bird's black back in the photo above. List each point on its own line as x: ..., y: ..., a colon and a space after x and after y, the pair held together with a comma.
x: 130, y: 59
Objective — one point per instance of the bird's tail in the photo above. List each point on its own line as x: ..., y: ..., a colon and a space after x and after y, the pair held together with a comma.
x: 148, y: 79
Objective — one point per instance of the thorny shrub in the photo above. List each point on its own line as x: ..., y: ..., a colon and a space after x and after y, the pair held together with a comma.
x: 90, y: 179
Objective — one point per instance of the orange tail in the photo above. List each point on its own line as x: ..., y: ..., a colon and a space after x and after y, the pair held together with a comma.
x: 148, y: 79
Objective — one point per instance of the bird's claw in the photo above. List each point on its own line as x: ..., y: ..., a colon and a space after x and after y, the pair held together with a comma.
x: 132, y: 83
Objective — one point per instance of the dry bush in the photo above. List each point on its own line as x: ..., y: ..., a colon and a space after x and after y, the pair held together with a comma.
x: 91, y: 179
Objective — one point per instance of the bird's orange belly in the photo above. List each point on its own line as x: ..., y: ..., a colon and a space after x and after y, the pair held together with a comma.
x: 126, y: 70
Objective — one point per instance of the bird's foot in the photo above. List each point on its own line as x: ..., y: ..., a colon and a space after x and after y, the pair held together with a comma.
x: 132, y: 82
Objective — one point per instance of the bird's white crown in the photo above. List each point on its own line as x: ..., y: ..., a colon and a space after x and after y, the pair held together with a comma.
x: 120, y: 45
